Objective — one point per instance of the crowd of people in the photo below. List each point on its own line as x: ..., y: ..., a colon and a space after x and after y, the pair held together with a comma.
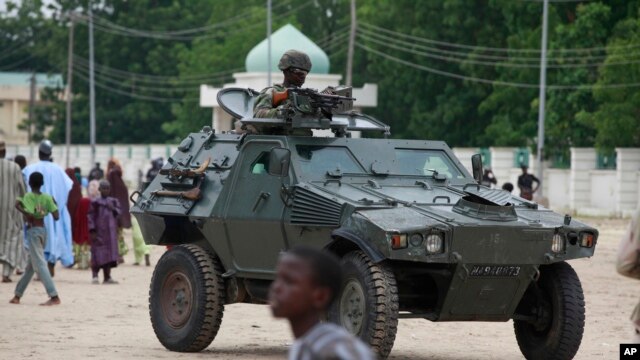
x: 85, y: 229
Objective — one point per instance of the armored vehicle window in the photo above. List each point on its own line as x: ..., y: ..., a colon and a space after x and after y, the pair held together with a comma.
x: 419, y: 162
x: 320, y: 159
x: 261, y: 164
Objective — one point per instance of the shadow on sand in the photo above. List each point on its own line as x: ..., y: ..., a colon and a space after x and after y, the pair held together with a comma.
x: 251, y: 351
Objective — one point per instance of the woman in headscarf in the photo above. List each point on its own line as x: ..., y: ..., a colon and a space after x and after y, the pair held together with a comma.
x: 75, y: 194
x: 78, y: 221
x: 119, y: 191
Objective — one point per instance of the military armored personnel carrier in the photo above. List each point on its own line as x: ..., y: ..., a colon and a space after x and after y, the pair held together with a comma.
x: 417, y: 234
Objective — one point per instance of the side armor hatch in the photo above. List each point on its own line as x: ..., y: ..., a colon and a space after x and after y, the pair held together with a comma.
x: 237, y: 101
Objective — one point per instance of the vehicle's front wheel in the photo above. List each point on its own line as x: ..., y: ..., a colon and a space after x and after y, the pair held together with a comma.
x: 554, y: 306
x: 367, y: 305
x: 186, y: 299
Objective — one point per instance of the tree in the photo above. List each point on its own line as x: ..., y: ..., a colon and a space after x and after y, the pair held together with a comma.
x: 616, y: 116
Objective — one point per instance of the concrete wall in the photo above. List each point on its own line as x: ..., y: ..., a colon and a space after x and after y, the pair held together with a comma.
x: 628, y: 164
x: 557, y: 189
x: 464, y: 155
x: 133, y: 158
x: 602, y: 193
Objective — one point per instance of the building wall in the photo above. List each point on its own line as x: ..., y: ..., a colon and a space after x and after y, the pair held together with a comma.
x: 557, y: 189
x: 602, y: 194
x: 12, y: 113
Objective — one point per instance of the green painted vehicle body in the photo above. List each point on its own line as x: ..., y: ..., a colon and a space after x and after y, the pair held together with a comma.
x: 355, y: 196
x: 417, y: 235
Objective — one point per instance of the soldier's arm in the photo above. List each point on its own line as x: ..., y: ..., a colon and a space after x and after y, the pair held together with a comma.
x: 535, y: 179
x: 263, y: 107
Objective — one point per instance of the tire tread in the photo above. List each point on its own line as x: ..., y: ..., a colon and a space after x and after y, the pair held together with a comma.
x: 212, y: 298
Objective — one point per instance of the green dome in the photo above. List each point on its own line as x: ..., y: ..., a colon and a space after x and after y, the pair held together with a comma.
x: 287, y: 37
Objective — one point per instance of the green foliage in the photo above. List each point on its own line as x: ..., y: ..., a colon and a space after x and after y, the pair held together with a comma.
x: 615, y: 117
x: 469, y: 103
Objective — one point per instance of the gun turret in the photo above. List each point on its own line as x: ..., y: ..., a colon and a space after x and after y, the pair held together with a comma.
x: 305, y: 109
x: 309, y: 101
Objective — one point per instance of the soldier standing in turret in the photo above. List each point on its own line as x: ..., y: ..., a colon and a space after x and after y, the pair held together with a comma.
x: 295, y: 66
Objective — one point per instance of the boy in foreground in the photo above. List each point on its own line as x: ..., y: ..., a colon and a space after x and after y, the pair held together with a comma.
x: 35, y: 206
x: 307, y: 282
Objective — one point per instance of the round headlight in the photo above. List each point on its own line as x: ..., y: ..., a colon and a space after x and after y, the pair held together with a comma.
x: 415, y: 239
x: 557, y: 243
x: 434, y: 243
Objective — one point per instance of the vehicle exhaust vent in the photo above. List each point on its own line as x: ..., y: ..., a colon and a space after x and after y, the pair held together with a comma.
x: 310, y: 208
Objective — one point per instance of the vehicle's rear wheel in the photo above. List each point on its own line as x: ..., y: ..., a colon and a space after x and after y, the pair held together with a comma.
x: 367, y: 305
x: 555, y: 307
x: 186, y: 298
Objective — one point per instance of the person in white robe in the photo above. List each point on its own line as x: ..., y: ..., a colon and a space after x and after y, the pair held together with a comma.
x: 11, y: 221
x: 57, y: 184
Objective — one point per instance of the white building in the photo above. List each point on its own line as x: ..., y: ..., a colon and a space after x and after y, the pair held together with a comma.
x: 15, y: 93
x: 257, y: 73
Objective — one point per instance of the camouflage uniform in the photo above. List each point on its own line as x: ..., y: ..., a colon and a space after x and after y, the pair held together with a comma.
x: 263, y: 107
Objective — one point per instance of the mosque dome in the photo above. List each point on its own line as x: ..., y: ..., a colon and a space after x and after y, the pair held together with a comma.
x: 285, y: 38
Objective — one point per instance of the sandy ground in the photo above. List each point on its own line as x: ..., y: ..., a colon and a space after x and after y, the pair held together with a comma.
x: 112, y: 321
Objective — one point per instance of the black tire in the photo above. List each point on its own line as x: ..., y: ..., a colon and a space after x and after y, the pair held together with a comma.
x: 186, y: 298
x: 558, y: 304
x: 377, y: 314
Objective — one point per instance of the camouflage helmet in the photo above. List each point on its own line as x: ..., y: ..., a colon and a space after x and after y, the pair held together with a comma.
x: 294, y: 58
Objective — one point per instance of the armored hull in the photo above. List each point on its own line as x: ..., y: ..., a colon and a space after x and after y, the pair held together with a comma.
x: 433, y: 243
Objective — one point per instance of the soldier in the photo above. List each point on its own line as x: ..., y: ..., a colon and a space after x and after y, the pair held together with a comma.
x: 295, y: 66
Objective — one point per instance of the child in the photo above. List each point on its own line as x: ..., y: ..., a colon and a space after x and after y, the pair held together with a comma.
x: 307, y: 281
x: 139, y: 247
x: 103, y: 231
x: 35, y: 206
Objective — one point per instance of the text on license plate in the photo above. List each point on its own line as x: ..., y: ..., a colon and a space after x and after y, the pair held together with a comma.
x: 495, y: 270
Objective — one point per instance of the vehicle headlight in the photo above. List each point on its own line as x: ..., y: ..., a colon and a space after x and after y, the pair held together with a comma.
x: 557, y: 243
x: 434, y: 243
x: 416, y: 239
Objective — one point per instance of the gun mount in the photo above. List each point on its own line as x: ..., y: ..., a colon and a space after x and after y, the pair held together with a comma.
x: 309, y: 101
x: 308, y: 109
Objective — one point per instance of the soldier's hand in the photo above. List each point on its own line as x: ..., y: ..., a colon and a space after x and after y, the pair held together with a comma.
x: 284, y: 111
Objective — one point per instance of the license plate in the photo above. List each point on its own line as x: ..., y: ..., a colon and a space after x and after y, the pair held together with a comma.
x: 495, y: 270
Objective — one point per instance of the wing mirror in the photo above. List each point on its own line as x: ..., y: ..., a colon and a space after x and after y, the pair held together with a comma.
x: 476, y: 166
x: 279, y: 160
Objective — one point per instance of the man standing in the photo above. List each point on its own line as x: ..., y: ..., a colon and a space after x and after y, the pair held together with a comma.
x: 96, y: 173
x: 11, y: 222
x: 56, y: 184
x: 525, y: 183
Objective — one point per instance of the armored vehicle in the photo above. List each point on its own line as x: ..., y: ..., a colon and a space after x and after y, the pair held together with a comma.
x: 417, y: 234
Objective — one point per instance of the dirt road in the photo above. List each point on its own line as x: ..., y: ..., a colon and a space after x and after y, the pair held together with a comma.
x: 112, y: 321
